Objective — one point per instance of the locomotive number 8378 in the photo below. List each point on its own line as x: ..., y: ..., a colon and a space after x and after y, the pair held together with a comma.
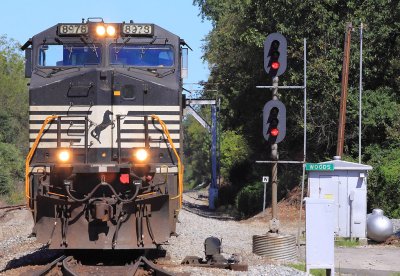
x: 105, y: 112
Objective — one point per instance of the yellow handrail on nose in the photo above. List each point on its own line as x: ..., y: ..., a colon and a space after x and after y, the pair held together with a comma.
x: 180, y: 165
x: 51, y: 118
x: 31, y: 153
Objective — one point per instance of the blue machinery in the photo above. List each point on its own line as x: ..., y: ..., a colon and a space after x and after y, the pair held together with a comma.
x: 213, y: 190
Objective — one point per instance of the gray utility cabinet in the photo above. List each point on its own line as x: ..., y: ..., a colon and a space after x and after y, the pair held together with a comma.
x: 319, y: 234
x: 346, y: 185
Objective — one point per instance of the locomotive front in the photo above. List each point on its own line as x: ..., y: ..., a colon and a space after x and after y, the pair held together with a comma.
x: 103, y: 171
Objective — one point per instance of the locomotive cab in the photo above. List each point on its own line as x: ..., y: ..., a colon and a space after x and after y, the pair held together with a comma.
x: 105, y: 111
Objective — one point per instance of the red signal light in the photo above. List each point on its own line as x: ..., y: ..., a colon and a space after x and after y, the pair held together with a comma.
x: 275, y: 65
x: 274, y: 132
x: 124, y: 178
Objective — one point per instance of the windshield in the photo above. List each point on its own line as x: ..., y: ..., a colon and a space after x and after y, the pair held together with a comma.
x: 142, y: 55
x: 69, y: 55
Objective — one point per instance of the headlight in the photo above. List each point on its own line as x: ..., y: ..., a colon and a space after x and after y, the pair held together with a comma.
x: 64, y: 155
x: 100, y: 30
x: 111, y: 30
x: 141, y: 155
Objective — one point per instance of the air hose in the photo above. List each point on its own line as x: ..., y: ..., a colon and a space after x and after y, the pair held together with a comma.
x: 180, y: 165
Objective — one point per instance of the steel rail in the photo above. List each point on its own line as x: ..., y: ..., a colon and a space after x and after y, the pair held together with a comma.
x: 48, y: 267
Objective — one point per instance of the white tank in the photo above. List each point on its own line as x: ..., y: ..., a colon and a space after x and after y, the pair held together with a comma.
x: 379, y: 227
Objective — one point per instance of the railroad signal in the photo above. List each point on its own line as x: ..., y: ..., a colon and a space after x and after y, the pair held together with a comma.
x: 275, y: 54
x: 274, y: 121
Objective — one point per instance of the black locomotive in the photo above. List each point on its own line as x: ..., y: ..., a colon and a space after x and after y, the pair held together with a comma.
x: 105, y: 99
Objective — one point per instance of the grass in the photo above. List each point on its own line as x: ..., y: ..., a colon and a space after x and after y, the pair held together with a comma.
x: 302, y: 267
x: 343, y: 242
x: 15, y: 196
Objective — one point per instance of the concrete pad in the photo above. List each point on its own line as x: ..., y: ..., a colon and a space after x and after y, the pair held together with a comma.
x: 377, y: 260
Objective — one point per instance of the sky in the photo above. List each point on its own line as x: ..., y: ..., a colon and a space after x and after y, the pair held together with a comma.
x: 21, y: 19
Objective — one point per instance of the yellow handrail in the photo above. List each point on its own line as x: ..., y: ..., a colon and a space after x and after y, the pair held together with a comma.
x: 31, y: 153
x: 180, y: 165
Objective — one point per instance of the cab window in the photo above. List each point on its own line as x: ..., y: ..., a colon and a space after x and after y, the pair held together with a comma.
x: 69, y: 55
x: 142, y: 55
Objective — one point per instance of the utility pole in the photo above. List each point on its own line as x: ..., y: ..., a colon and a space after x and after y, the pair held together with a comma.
x: 360, y: 103
x: 343, y: 97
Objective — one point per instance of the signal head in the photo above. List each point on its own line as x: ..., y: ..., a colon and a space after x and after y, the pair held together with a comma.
x: 274, y: 121
x: 275, y: 54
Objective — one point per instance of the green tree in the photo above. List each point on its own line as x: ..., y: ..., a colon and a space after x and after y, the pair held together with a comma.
x: 234, y: 50
x: 11, y: 163
x: 384, y: 180
x: 13, y: 92
x: 197, y: 144
x: 13, y: 116
x: 234, y: 150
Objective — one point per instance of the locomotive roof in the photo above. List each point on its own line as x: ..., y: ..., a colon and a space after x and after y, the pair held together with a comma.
x: 157, y: 33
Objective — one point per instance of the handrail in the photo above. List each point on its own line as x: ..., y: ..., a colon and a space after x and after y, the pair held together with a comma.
x: 32, y: 152
x: 52, y: 117
x: 180, y: 165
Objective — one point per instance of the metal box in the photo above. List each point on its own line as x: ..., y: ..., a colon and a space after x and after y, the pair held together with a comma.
x: 319, y: 234
x: 346, y: 185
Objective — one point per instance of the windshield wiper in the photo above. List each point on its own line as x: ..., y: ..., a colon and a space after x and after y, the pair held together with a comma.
x: 166, y: 73
x: 117, y: 50
x: 148, y: 70
x: 59, y: 69
x: 92, y: 47
x: 58, y: 41
x: 53, y: 71
x: 154, y: 71
x: 43, y: 73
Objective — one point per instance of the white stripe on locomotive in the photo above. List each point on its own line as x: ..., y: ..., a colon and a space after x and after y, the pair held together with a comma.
x: 106, y: 135
x: 121, y: 109
x: 124, y: 145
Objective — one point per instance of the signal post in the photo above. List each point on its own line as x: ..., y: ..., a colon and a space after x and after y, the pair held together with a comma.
x: 274, y: 131
x: 274, y: 223
x: 274, y: 112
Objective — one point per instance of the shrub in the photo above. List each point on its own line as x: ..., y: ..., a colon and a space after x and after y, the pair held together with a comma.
x: 249, y: 200
x: 226, y: 195
x: 234, y: 151
x: 384, y: 183
x: 11, y: 163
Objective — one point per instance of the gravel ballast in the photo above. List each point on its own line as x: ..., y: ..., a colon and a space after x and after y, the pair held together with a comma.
x: 18, y: 249
x: 236, y: 239
x: 15, y: 241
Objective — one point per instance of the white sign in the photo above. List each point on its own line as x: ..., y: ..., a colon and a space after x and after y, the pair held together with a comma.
x: 265, y: 179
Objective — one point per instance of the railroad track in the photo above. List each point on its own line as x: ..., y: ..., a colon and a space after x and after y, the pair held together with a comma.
x: 5, y: 209
x: 74, y: 265
x: 13, y: 207
x: 199, y: 197
x: 203, y: 211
